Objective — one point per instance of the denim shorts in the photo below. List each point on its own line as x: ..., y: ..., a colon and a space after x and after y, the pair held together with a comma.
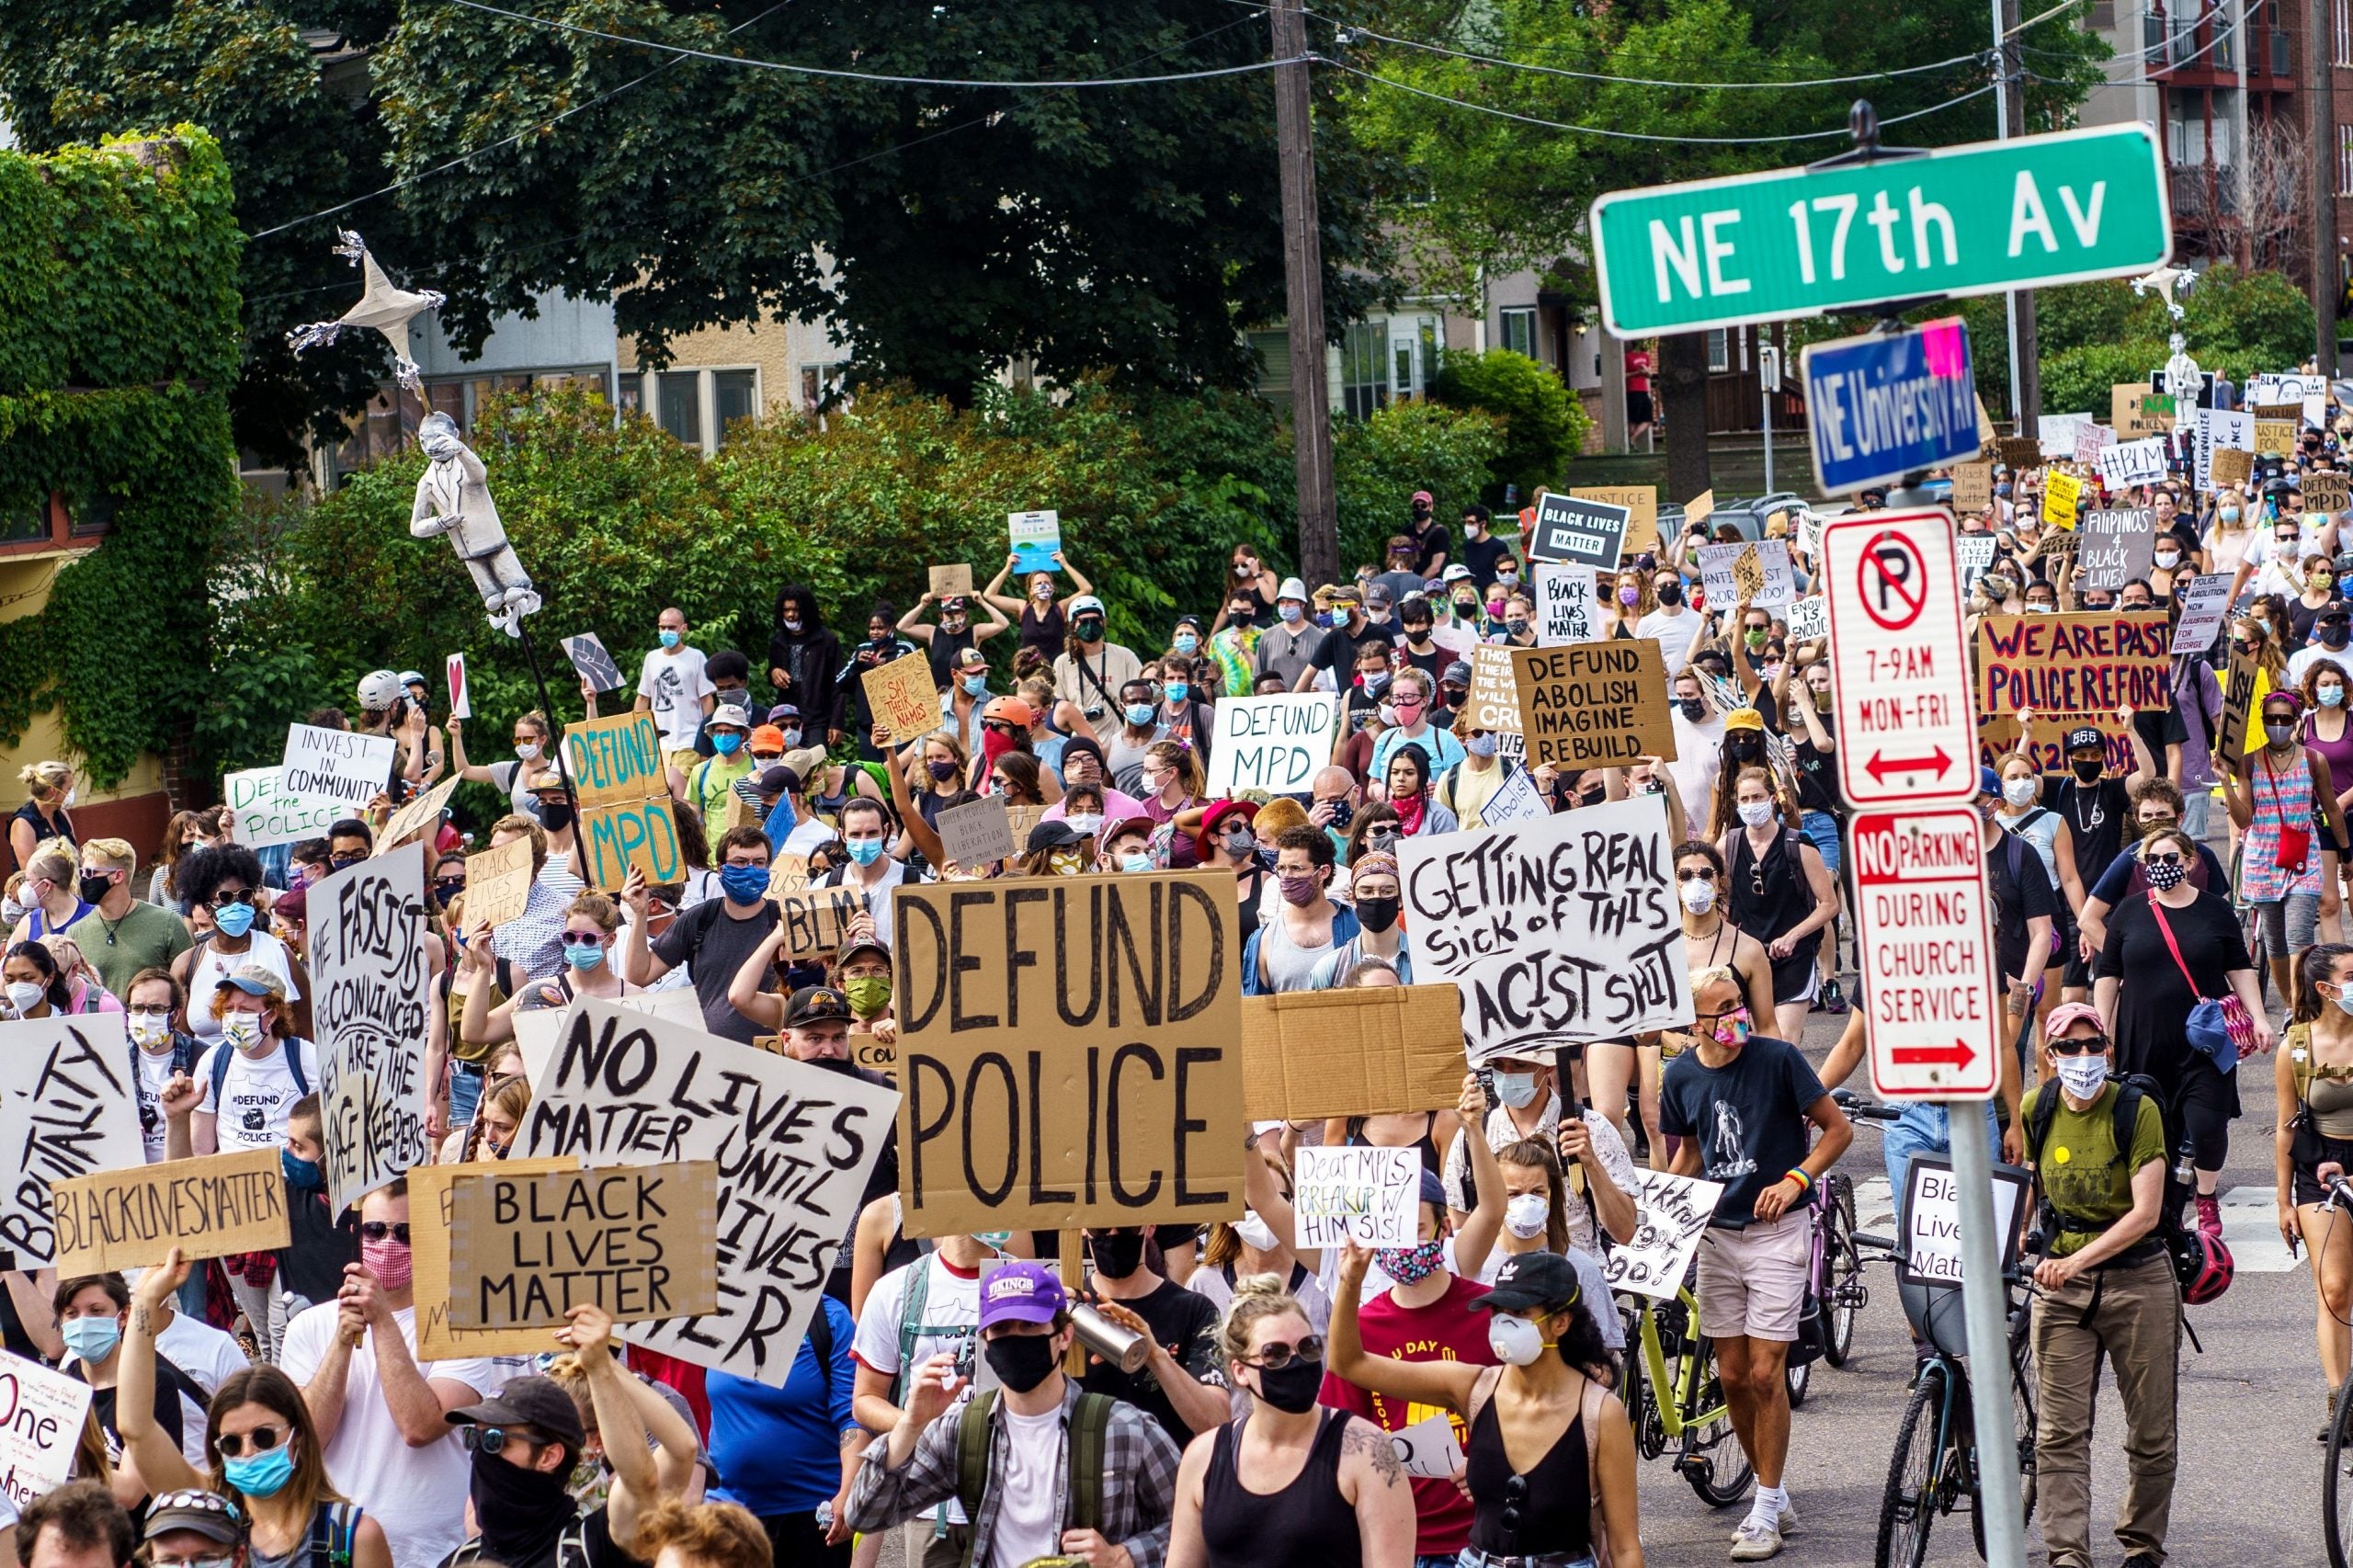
x: 1822, y: 832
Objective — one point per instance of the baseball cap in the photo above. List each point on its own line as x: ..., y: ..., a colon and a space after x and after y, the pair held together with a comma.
x: 2083, y: 737
x: 210, y: 1514
x: 532, y: 1401
x: 1532, y: 1279
x: 1292, y: 588
x: 970, y: 659
x: 1378, y: 597
x: 1988, y: 781
x: 778, y: 713
x: 1455, y: 573
x: 776, y: 780
x: 815, y: 1004
x: 1744, y: 719
x: 1021, y: 1291
x: 1143, y: 824
x: 767, y: 738
x: 1055, y: 834
x: 2068, y: 1012
x: 255, y: 981
x: 1424, y: 495
x: 857, y: 945
x: 1455, y: 673
x: 1432, y: 1189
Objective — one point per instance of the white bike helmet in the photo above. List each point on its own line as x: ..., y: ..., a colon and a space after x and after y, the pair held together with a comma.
x: 378, y: 689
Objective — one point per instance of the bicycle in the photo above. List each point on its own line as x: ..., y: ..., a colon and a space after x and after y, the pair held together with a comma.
x: 2336, y: 1485
x: 1667, y: 1352
x: 1834, y: 1288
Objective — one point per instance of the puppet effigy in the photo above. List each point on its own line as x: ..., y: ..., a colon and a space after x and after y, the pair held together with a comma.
x: 453, y: 498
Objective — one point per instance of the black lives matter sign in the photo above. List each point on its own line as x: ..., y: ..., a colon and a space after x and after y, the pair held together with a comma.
x: 1581, y: 532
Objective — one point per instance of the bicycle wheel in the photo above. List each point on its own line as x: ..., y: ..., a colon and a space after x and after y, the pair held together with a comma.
x: 1798, y: 1380
x: 2336, y: 1486
x: 1713, y: 1460
x: 1908, y: 1505
x: 1844, y: 1265
x: 1634, y: 1389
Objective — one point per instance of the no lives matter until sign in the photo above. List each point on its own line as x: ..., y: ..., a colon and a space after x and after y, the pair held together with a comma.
x: 1928, y: 961
x: 1893, y: 592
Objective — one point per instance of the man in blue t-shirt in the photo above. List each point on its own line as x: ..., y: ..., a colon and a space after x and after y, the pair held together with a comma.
x: 1740, y: 1103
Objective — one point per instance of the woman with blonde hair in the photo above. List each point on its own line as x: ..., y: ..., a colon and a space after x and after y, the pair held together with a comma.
x: 498, y: 1122
x: 1172, y: 779
x: 591, y: 924
x: 48, y: 786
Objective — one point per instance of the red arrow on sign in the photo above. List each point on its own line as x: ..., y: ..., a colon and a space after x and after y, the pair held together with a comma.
x: 1881, y: 765
x: 1956, y: 1056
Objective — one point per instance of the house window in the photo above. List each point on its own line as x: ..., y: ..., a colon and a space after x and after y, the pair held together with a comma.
x: 819, y: 385
x: 1719, y: 351
x: 736, y: 394
x: 1364, y: 367
x: 632, y: 393
x: 90, y: 515
x: 2344, y: 160
x: 1519, y: 332
x: 681, y: 414
x: 51, y: 524
x: 2340, y: 30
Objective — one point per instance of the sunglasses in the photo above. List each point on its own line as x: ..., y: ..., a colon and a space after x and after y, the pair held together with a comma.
x: 451, y: 885
x: 260, y: 1440
x: 492, y: 1440
x: 377, y: 1230
x: 1697, y: 874
x: 1274, y: 1355
x: 996, y: 727
x: 232, y: 896
x: 2171, y: 857
x: 2091, y: 1047
x: 577, y: 937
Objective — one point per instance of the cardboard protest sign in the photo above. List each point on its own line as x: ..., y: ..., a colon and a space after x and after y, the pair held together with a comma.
x: 1594, y: 704
x: 2089, y: 440
x: 2136, y: 411
x: 370, y: 996
x: 1559, y: 932
x: 342, y: 765
x: 2087, y: 662
x: 1578, y: 532
x: 2060, y: 492
x: 636, y: 1240
x: 905, y: 700
x: 2116, y: 546
x: 1809, y: 618
x: 2218, y: 430
x: 1492, y: 702
x: 1036, y: 538
x: 1564, y: 606
x: 2057, y: 434
x: 265, y: 814
x: 2326, y: 490
x: 592, y: 663
x: 643, y: 836
x: 1700, y: 508
x: 615, y: 759
x: 1641, y: 502
x: 2046, y: 743
x: 45, y: 1412
x: 794, y: 1143
x: 2293, y: 412
x: 976, y: 832
x: 873, y: 1054
x: 1024, y: 820
x: 2135, y: 462
x: 1070, y: 1052
x: 1516, y: 799
x: 538, y: 1031
x: 213, y: 1206
x: 2244, y: 683
x: 68, y: 1108
x: 1932, y: 1219
x: 788, y: 873
x: 2275, y: 436
x: 431, y: 1204
x: 1972, y: 487
x: 953, y: 581
x: 1986, y: 435
x: 1671, y: 1214
x: 1974, y: 552
x: 498, y: 883
x: 1428, y: 1449
x: 2231, y: 466
x: 1755, y: 573
x: 2204, y: 602
x: 1274, y: 744
x: 2021, y: 453
x: 460, y: 698
x: 1365, y: 1051
x: 816, y: 921
x: 420, y: 815
x: 1371, y: 1195
x: 621, y: 780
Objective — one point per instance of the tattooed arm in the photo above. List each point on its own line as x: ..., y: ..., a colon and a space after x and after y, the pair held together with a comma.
x: 1374, y: 1481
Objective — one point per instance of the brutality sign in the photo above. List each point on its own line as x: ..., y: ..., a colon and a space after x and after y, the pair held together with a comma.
x: 209, y: 1206
x: 636, y: 1240
x: 1070, y: 1050
x: 370, y: 997
x: 1558, y: 932
x: 794, y: 1145
x: 67, y: 1109
x: 1594, y: 704
x: 2087, y: 662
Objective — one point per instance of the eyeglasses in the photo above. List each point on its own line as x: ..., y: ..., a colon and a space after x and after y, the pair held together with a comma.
x: 1275, y: 1355
x: 732, y: 864
x: 492, y: 1440
x: 221, y: 1560
x: 232, y: 896
x: 260, y: 1440
x: 377, y: 1230
x: 2072, y: 1047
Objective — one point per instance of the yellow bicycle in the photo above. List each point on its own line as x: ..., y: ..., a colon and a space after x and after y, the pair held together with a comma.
x: 1674, y: 1396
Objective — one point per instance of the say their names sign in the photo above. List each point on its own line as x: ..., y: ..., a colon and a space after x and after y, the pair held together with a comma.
x: 68, y: 1108
x: 905, y: 700
x: 1594, y: 704
x: 370, y: 996
x: 212, y: 1206
x: 1274, y: 744
x: 336, y: 765
x: 1070, y: 1052
x: 636, y: 1240
x: 794, y: 1145
x: 1558, y: 933
x: 1370, y: 1196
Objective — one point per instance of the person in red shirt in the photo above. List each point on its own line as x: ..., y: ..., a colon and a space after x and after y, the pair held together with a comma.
x: 1639, y: 411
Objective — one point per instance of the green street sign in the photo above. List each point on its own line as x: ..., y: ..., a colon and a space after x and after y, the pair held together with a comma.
x: 1975, y: 220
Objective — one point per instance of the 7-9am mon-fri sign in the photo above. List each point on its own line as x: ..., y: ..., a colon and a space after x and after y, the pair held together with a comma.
x: 1972, y: 219
x: 1901, y: 656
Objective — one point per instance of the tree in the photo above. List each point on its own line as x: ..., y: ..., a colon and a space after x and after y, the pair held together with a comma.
x: 1544, y: 426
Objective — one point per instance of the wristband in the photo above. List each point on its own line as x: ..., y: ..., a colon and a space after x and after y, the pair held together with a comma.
x: 1797, y: 1174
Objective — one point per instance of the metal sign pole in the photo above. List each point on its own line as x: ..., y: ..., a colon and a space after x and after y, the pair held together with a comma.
x: 1984, y: 1310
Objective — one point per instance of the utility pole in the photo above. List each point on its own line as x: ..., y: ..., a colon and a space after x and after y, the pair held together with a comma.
x: 2243, y: 176
x: 2321, y: 46
x: 1311, y: 407
x: 2026, y: 372
x: 2001, y: 133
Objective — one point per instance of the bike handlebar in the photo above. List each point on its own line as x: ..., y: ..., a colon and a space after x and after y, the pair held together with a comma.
x: 1861, y: 1110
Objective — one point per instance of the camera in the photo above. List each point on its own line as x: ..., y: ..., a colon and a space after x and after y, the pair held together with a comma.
x: 1093, y: 713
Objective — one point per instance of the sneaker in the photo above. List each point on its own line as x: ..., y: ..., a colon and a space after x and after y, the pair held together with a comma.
x: 2142, y: 1559
x: 1756, y: 1541
x: 1789, y: 1523
x: 2210, y: 1213
x: 1830, y: 999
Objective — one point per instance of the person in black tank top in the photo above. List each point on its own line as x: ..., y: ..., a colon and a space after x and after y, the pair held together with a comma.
x: 1338, y: 1497
x: 1549, y: 1464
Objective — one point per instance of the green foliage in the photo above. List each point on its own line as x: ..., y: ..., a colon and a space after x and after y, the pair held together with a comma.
x: 2095, y: 335
x: 2251, y: 323
x: 1378, y: 463
x: 2076, y: 381
x: 118, y: 340
x: 1545, y: 425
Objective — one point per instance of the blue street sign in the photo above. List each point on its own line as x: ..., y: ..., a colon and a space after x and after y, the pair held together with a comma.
x: 1885, y: 406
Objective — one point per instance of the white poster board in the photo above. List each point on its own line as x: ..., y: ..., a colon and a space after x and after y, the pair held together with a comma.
x: 1516, y: 799
x: 1670, y: 1213
x: 2204, y: 603
x: 1931, y: 1226
x: 1720, y: 574
x: 336, y: 765
x: 1428, y: 1449
x: 1809, y: 618
x: 1565, y: 605
x: 1274, y: 743
x: 2134, y: 463
x: 265, y: 814
x: 68, y: 1108
x: 44, y: 1414
x: 1973, y: 553
x: 1356, y: 1192
x: 371, y: 1001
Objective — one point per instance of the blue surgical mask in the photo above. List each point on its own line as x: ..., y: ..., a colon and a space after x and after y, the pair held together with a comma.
x: 1184, y: 641
x: 588, y: 955
x: 727, y: 743
x: 1481, y: 746
x: 744, y: 884
x: 2332, y: 697
x: 93, y: 1339
x: 261, y: 1474
x: 1139, y: 861
x: 669, y: 639
x: 1179, y: 690
x: 233, y: 920
x: 306, y: 1174
x: 792, y: 739
x: 976, y: 685
x: 1139, y: 714
x: 1292, y: 612
x: 865, y: 851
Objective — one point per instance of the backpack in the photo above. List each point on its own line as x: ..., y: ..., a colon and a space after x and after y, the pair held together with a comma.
x: 2169, y: 1233
x: 571, y: 1548
x: 334, y: 1528
x: 293, y: 1065
x: 1089, y: 1424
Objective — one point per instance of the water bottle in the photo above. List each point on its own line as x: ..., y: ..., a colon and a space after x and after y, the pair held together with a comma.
x: 825, y: 1515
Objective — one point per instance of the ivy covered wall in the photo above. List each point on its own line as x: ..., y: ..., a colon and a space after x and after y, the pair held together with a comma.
x: 118, y: 343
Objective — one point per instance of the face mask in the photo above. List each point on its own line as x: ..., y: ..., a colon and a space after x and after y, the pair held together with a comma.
x: 1756, y: 814
x: 2229, y: 514
x: 2278, y: 735
x: 94, y: 888
x: 2167, y: 560
x: 2165, y: 876
x: 1116, y: 1255
x: 1629, y: 595
x: 526, y: 753
x: 2081, y: 1075
x: 1516, y: 1090
x: 1670, y: 594
x: 1465, y: 608
x: 301, y: 1173
x: 241, y: 1030
x: 2343, y: 1000
x: 1411, y: 1266
x: 1021, y: 1361
x: 792, y: 739
x: 1293, y: 1386
x: 2332, y: 697
x: 1324, y: 619
x: 24, y: 994
x: 1084, y: 823
x: 1374, y: 682
x: 976, y: 685
x: 2021, y: 792
x: 1291, y: 613
x: 2000, y: 587
x: 791, y: 621
x: 670, y: 639
x: 1043, y: 592
x: 555, y: 815
x: 2330, y: 636
x: 2037, y: 607
x: 1515, y: 1341
x: 1241, y: 847
x: 233, y: 920
x: 1179, y: 690
x: 388, y: 1261
x: 1732, y: 1028
x: 1526, y: 1215
x: 588, y: 955
x: 2087, y: 770
x: 1754, y: 636
x: 865, y: 851
x: 1378, y: 915
x: 727, y: 743
x: 1389, y: 715
x: 1698, y: 897
x: 1088, y: 628
x: 1481, y: 746
x: 1067, y: 863
x: 869, y: 994
x: 1138, y: 714
x: 1243, y: 618
x: 262, y: 1474
x: 1255, y: 1233
x: 1138, y: 860
x: 1301, y: 890
x: 150, y: 1028
x: 1185, y: 642
x: 93, y: 1339
x: 1507, y: 579
x: 746, y: 884
x: 1691, y: 708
